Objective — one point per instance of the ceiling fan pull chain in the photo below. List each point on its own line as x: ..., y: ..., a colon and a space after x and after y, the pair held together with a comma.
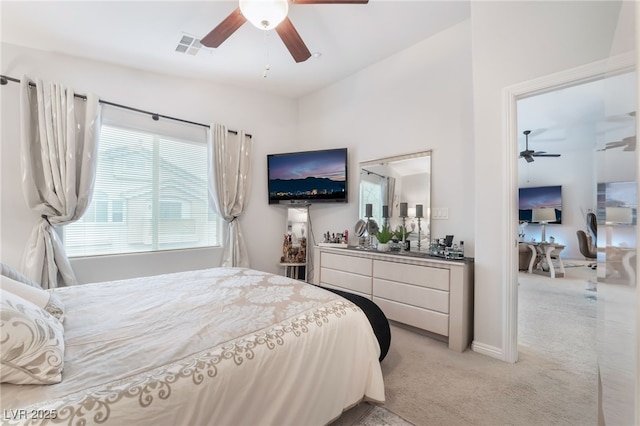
x: 267, y: 67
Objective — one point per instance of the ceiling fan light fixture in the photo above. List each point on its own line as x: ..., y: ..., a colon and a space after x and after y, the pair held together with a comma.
x: 264, y: 14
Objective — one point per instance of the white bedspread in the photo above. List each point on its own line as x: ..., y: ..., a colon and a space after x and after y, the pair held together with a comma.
x: 223, y: 346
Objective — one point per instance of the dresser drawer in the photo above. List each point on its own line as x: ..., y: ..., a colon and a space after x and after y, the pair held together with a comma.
x: 425, y: 319
x: 421, y: 297
x: 424, y: 276
x: 325, y: 285
x: 356, y: 265
x: 346, y: 280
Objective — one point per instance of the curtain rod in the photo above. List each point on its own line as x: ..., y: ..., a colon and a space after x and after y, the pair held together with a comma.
x: 4, y: 79
x: 372, y: 173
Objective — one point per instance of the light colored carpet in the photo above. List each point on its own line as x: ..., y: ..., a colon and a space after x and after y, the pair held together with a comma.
x: 553, y: 383
x: 557, y: 318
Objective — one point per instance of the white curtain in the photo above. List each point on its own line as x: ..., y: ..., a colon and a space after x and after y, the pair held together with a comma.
x: 58, y: 159
x: 229, y: 184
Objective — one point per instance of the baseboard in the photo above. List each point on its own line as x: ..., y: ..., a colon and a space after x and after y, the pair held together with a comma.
x: 488, y: 350
x: 420, y: 331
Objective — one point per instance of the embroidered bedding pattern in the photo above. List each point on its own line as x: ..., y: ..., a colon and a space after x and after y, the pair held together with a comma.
x: 182, y: 348
x: 32, y: 343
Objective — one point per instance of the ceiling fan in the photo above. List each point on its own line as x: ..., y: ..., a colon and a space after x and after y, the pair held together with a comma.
x: 629, y: 144
x: 528, y: 154
x: 265, y: 15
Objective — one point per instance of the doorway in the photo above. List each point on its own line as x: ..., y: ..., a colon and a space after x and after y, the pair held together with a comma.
x: 603, y: 164
x: 558, y: 136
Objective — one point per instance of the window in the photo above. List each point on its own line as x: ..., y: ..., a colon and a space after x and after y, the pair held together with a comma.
x: 371, y: 190
x: 98, y: 209
x: 116, y: 211
x: 150, y: 194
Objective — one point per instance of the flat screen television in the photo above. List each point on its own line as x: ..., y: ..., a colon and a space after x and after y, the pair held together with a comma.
x: 537, y: 197
x: 308, y: 177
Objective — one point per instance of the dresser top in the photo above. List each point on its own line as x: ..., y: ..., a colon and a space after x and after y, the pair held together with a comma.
x: 410, y: 257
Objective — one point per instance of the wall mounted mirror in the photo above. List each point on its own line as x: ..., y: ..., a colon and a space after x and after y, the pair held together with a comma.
x: 394, y: 180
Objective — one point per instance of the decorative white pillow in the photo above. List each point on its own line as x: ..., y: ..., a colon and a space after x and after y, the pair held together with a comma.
x: 10, y: 272
x: 39, y: 297
x: 32, y: 350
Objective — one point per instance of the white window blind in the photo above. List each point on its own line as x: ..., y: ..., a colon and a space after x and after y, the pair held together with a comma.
x: 150, y: 192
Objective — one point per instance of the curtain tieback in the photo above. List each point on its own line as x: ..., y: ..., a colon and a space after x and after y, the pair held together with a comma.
x: 234, y: 218
x: 45, y: 217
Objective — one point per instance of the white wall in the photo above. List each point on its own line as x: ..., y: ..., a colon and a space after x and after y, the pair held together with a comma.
x: 415, y: 100
x: 271, y: 119
x: 514, y: 42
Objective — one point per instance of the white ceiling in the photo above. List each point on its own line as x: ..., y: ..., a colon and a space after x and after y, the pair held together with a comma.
x: 144, y: 34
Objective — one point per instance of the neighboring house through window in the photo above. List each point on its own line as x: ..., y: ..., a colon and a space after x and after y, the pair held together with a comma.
x: 150, y: 194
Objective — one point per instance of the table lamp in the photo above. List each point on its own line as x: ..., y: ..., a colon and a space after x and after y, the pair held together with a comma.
x: 618, y: 216
x: 543, y: 215
x: 615, y: 216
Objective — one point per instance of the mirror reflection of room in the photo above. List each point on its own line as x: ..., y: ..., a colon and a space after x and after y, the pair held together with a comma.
x: 294, y: 244
x: 389, y: 184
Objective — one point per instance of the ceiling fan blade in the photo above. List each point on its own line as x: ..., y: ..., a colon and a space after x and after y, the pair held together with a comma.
x: 329, y: 1
x: 629, y: 144
x: 293, y: 41
x: 224, y: 29
x: 545, y: 155
x: 615, y: 144
x: 535, y: 132
x: 621, y: 117
x: 528, y: 158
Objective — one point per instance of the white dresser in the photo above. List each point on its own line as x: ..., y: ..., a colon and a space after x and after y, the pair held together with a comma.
x: 426, y: 292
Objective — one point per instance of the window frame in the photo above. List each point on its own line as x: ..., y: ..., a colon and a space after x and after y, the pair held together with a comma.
x: 117, y: 209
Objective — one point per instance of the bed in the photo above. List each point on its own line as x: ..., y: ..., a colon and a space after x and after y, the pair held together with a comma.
x: 223, y: 346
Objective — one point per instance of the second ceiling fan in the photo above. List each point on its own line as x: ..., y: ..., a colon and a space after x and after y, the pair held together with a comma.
x: 528, y: 154
x: 627, y: 144
x: 268, y: 14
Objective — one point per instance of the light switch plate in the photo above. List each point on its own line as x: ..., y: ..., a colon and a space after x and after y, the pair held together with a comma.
x: 441, y: 213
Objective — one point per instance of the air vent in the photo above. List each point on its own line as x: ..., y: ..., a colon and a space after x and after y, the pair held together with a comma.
x: 189, y: 45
